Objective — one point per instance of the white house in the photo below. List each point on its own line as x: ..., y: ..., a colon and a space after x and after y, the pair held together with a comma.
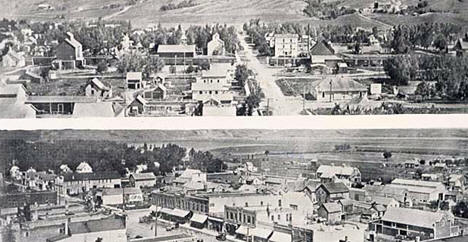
x: 146, y: 179
x: 214, y: 83
x: 216, y: 46
x: 286, y: 45
x: 337, y: 89
x: 84, y: 167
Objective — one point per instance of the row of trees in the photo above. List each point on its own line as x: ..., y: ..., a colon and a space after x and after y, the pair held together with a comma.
x: 104, y: 156
x: 147, y: 64
x: 183, y: 4
x: 437, y: 35
x: 444, y: 77
x: 200, y: 36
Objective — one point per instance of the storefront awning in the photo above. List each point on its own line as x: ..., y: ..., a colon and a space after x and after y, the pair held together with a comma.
x: 199, y: 218
x: 219, y: 220
x: 155, y: 208
x: 243, y: 230
x: 280, y: 237
x: 261, y: 233
x: 180, y: 213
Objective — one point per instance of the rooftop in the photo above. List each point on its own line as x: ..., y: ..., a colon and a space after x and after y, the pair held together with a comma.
x: 413, y: 217
x: 332, y: 207
x: 339, y: 84
x: 61, y: 99
x: 98, y: 109
x: 91, y: 176
x: 176, y: 49
x: 337, y: 187
x: 106, y: 224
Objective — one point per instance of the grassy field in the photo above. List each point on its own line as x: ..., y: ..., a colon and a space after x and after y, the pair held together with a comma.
x: 72, y: 87
x: 295, y: 87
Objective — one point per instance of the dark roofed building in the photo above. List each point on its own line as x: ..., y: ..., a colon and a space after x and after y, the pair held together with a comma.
x: 331, y: 192
x: 322, y: 47
x: 461, y: 47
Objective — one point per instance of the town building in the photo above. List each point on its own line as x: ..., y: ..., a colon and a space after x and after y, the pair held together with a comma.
x: 213, y: 107
x: 46, y: 106
x: 323, y: 58
x: 286, y: 45
x: 96, y: 88
x: 12, y: 102
x: 137, y: 106
x: 134, y: 80
x: 331, y: 192
x: 69, y: 54
x: 177, y: 54
x: 216, y: 46
x: 159, y: 92
x: 214, y: 83
x: 413, y: 222
x: 420, y: 191
x: 116, y: 196
x: 84, y: 167
x: 337, y: 89
x: 112, y: 228
x: 461, y: 47
x: 139, y: 180
x: 331, y: 212
x: 343, y: 173
x: 76, y: 183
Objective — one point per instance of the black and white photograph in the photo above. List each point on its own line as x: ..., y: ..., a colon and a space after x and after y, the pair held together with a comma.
x: 177, y: 58
x: 234, y: 185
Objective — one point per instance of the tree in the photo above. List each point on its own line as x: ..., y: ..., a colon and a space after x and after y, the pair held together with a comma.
x: 422, y: 162
x: 154, y: 64
x: 241, y: 74
x: 440, y: 42
x: 401, y: 69
x: 387, y: 155
x: 102, y: 67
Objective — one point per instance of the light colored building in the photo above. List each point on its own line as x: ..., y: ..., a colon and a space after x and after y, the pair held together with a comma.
x: 115, y: 196
x: 216, y: 46
x: 97, y: 88
x: 338, y: 89
x: 344, y: 173
x: 420, y: 191
x: 413, y: 222
x: 84, y: 167
x: 76, y: 183
x: 134, y: 80
x: 13, y: 59
x: 146, y: 179
x: 214, y: 83
x: 286, y: 45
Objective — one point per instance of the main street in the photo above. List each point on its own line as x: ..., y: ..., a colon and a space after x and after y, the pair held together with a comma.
x: 274, y: 98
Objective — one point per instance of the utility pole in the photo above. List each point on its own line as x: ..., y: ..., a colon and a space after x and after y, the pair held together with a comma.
x: 175, y: 65
x: 331, y: 88
x: 156, y: 225
x: 303, y: 98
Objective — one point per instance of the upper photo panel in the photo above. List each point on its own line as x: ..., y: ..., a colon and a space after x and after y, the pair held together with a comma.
x: 148, y: 58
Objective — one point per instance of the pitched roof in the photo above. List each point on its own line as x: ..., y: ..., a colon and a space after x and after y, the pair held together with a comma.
x: 461, y: 44
x: 72, y: 41
x: 383, y: 200
x: 61, y: 99
x: 413, y: 217
x: 199, y: 218
x: 409, y: 182
x: 337, y: 187
x: 91, y: 176
x: 261, y: 233
x: 106, y: 224
x: 280, y: 237
x: 332, y: 207
x: 336, y: 170
x: 144, y: 176
x: 98, y: 109
x: 322, y: 47
x: 176, y: 49
x: 341, y: 84
x: 99, y: 84
x: 10, y: 90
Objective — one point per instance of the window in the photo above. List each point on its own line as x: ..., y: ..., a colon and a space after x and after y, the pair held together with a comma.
x: 279, y: 203
x: 216, y: 92
x: 279, y: 217
x: 245, y: 219
x: 272, y: 218
x: 261, y: 203
x: 211, y: 92
x: 248, y: 220
x: 246, y: 204
x: 201, y: 92
x: 323, y: 94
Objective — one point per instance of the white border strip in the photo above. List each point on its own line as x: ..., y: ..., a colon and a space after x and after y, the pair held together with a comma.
x: 425, y: 121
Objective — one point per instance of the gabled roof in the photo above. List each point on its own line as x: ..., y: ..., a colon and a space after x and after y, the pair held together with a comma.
x: 99, y: 84
x: 415, y: 217
x: 176, y: 49
x: 10, y: 90
x: 332, y: 207
x: 332, y: 188
x: 216, y: 70
x: 72, y: 41
x: 345, y: 84
x: 383, y: 200
x: 61, y: 99
x: 261, y: 233
x: 322, y: 47
x: 461, y: 44
x: 140, y: 99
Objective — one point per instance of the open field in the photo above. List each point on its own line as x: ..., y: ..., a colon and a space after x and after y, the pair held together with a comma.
x: 146, y: 12
x: 72, y: 87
